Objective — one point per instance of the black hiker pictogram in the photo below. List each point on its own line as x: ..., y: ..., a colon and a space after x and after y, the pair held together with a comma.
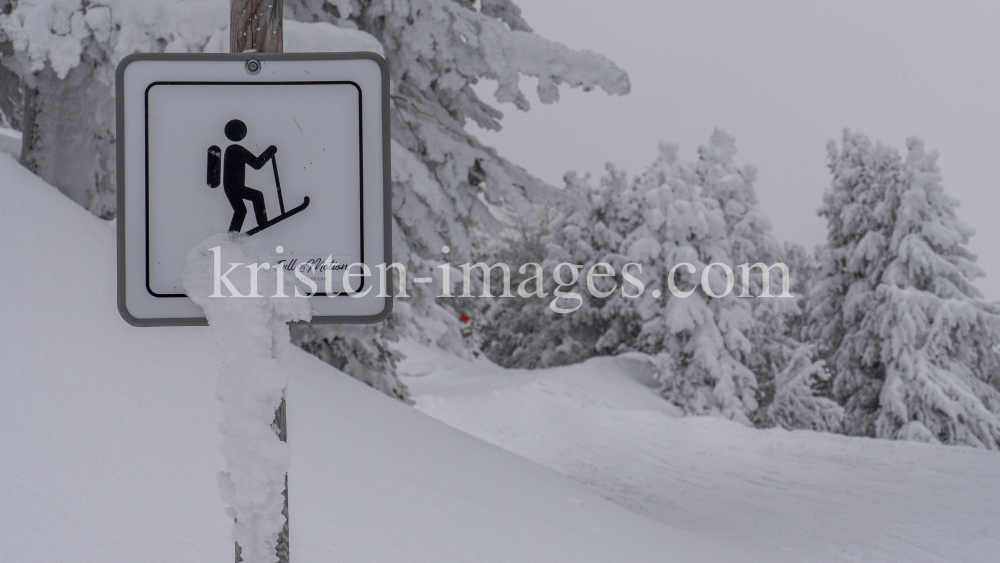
x: 232, y: 169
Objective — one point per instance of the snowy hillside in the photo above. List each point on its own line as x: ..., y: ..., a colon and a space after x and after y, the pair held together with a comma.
x: 109, y: 450
x: 810, y: 496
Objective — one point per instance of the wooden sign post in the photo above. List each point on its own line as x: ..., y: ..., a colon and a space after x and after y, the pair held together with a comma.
x: 327, y: 113
x: 258, y: 26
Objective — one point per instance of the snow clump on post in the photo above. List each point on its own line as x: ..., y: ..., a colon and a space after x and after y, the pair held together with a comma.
x: 252, y: 335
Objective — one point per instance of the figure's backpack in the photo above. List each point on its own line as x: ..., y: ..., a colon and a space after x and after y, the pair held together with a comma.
x: 214, y: 166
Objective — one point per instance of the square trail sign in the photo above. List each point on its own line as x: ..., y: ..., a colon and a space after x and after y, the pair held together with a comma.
x: 291, y: 149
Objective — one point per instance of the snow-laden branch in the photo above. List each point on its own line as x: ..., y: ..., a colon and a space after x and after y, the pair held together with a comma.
x: 58, y: 32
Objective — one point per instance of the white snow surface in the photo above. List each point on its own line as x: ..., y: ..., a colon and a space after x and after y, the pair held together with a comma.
x: 808, y: 496
x: 109, y: 450
x: 323, y: 37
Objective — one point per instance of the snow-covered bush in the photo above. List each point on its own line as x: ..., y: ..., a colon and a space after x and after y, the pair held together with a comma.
x: 797, y: 403
x: 912, y: 345
x: 363, y: 352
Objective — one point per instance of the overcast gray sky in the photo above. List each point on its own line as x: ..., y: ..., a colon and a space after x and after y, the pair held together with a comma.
x: 784, y: 77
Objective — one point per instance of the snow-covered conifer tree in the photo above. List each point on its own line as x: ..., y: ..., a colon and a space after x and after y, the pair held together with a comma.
x: 706, y: 336
x: 748, y: 228
x: 912, y: 345
x: 777, y: 337
x: 750, y: 241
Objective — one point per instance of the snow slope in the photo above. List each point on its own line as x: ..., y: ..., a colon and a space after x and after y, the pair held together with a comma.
x: 109, y: 450
x: 812, y: 497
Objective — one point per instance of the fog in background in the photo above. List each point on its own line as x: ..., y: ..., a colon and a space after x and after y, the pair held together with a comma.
x: 784, y: 77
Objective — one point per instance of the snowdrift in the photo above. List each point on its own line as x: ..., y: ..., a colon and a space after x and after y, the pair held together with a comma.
x: 812, y: 497
x: 109, y: 450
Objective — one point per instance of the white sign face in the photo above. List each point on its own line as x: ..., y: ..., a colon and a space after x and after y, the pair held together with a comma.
x: 292, y: 151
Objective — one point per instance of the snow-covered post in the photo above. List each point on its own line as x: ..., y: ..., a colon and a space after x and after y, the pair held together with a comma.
x: 250, y: 326
x: 256, y: 25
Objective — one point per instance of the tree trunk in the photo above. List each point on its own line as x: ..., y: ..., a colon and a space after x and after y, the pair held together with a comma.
x: 68, y: 128
x: 11, y: 88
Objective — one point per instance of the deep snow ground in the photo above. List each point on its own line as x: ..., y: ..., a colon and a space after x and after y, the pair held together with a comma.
x: 108, y: 449
x: 813, y: 497
x: 109, y: 443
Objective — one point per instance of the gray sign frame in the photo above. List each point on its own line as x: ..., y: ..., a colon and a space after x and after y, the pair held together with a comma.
x: 243, y: 58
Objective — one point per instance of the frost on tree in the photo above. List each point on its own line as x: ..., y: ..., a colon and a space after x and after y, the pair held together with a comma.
x: 912, y: 344
x: 448, y: 189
